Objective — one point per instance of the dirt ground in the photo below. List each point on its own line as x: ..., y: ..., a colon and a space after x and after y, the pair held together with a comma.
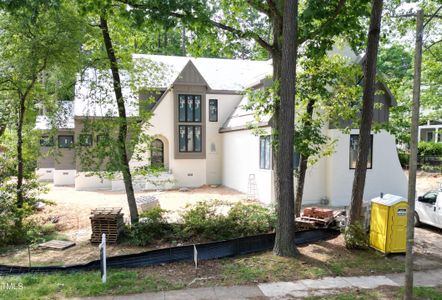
x: 72, y: 209
x: 427, y: 181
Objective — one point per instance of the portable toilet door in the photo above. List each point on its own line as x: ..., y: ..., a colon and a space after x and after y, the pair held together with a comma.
x: 388, y: 224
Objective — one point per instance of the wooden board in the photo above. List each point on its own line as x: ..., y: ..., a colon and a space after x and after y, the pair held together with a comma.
x: 57, y: 245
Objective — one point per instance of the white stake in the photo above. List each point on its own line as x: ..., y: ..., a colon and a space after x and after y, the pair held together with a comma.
x: 103, y: 258
x: 195, y: 256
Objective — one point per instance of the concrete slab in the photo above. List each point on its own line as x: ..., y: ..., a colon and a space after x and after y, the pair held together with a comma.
x: 428, y: 278
x: 369, y: 282
x: 280, y: 289
x: 191, y: 294
x: 325, y: 283
x: 239, y: 292
x: 145, y: 296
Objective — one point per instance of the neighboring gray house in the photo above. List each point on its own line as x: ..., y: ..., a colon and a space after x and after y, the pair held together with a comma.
x: 431, y: 132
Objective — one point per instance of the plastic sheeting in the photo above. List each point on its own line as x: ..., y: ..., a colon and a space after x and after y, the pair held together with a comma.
x: 214, y: 250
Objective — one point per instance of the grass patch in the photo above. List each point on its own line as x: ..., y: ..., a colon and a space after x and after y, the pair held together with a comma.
x: 81, y: 284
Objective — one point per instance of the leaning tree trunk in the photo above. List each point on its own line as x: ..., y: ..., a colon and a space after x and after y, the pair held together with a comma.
x: 122, y: 122
x: 303, y: 165
x: 367, y: 113
x: 284, y: 65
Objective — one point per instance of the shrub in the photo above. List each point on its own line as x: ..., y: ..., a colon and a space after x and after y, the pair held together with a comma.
x: 404, y: 158
x: 152, y: 227
x: 356, y: 236
x: 429, y: 149
x: 205, y: 220
x: 251, y: 219
x: 202, y: 221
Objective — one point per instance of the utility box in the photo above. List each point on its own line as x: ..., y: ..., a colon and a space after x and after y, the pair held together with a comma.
x: 388, y: 224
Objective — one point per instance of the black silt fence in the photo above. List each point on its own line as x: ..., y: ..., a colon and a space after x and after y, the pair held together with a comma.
x: 213, y: 250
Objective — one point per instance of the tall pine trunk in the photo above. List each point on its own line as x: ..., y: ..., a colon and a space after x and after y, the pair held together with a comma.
x: 303, y: 165
x: 122, y: 121
x: 20, y: 167
x: 367, y: 113
x: 284, y: 64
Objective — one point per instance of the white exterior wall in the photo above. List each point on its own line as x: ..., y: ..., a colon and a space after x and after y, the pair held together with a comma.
x: 45, y: 174
x: 315, y: 183
x: 386, y: 176
x: 83, y: 182
x: 214, y: 140
x: 64, y: 177
x: 194, y: 172
x: 241, y: 158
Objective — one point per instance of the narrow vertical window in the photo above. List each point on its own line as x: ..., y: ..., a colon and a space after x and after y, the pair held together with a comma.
x: 264, y: 152
x: 197, y: 108
x: 183, y: 138
x: 189, y: 108
x: 213, y: 110
x: 354, y: 148
x: 182, y: 108
x: 190, y: 139
x: 197, y: 147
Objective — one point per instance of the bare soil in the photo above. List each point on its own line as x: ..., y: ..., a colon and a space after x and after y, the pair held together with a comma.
x: 72, y: 208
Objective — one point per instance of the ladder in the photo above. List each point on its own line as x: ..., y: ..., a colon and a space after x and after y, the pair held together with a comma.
x: 252, y: 191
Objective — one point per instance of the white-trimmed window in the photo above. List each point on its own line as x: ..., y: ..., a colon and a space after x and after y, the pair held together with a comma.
x: 265, y: 154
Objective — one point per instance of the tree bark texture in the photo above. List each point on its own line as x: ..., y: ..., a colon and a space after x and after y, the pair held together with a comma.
x: 303, y: 165
x: 284, y: 120
x: 122, y: 121
x: 408, y: 293
x: 20, y: 167
x: 367, y: 112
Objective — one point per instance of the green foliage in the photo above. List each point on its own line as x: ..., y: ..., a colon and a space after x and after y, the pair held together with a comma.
x: 429, y: 149
x: 10, y: 215
x: 151, y: 228
x: 356, y: 236
x: 404, y: 158
x: 204, y: 221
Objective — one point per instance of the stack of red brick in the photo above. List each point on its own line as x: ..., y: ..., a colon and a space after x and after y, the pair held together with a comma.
x: 319, y: 213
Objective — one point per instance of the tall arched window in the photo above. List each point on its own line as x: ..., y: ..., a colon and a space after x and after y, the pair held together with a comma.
x: 157, y: 153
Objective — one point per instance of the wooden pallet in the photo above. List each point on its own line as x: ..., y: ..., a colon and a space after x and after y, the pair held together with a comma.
x: 108, y: 220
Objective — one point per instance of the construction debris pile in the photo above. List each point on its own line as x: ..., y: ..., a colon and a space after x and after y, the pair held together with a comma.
x: 315, y: 217
x: 108, y: 220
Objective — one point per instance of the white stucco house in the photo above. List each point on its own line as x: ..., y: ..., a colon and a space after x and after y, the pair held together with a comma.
x: 202, y: 136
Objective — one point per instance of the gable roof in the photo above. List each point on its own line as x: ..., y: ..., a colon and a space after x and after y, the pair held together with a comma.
x: 219, y: 73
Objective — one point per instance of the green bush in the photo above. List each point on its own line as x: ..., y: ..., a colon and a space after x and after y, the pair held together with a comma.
x: 204, y: 221
x: 152, y: 227
x: 429, y: 149
x: 356, y: 236
x: 15, y: 228
x: 404, y: 158
x: 251, y: 219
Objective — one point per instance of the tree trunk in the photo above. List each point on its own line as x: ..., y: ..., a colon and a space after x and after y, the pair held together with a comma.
x: 20, y: 172
x: 367, y: 113
x: 303, y: 165
x: 122, y: 122
x: 408, y: 294
x: 284, y: 121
